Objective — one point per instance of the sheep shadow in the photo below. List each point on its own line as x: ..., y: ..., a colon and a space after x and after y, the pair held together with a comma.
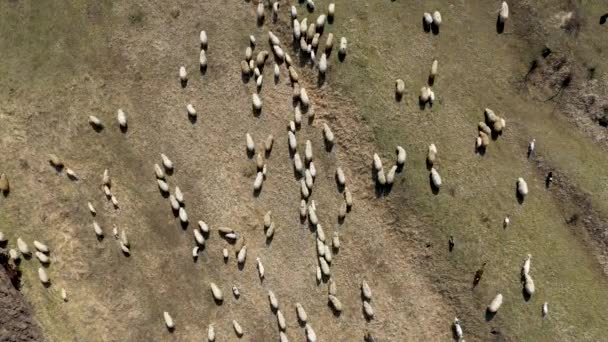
x: 431, y: 80
x: 171, y: 329
x: 184, y: 83
x: 47, y: 284
x: 260, y: 21
x: 398, y: 97
x: 489, y: 315
x: 426, y: 26
x: 339, y: 185
x: 451, y: 244
x: 269, y: 240
x: 99, y: 238
x: 6, y: 192
x: 57, y: 168
x: 175, y: 212
x: 126, y: 253
x: 519, y: 196
x: 429, y: 164
x: 500, y: 26
x: 495, y: 135
x: 321, y: 79
x: 163, y: 193
x: 257, y: 192
x: 481, y: 150
x: 435, y: 28
x: 256, y: 112
x: 250, y: 153
x: 245, y: 77
x: 328, y: 51
x: 341, y: 219
x: 328, y: 144
x: 603, y: 19
x: 124, y: 129
x: 203, y: 69
x: 169, y: 172
x: 97, y: 128
x: 434, y: 189
x: 367, y: 317
x: 184, y: 224
x: 3, y: 244
x: 192, y: 118
x: 525, y: 294
x: 422, y: 103
x: 336, y: 312
x: 341, y: 56
x: 218, y: 302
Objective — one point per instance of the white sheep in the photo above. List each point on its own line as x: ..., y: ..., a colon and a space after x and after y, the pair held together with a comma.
x: 64, y: 295
x: 297, y: 115
x: 335, y: 241
x: 293, y: 143
x: 13, y: 254
x: 107, y: 191
x: 179, y: 196
x: 399, y: 87
x: 160, y: 174
x: 95, y: 122
x: 434, y: 67
x: 304, y: 189
x: 437, y: 18
x: 310, y: 4
x: 457, y: 329
x: 195, y: 250
x: 256, y: 101
x: 525, y: 269
x: 288, y: 60
x: 321, y: 22
x: 44, y: 278
x: 267, y: 219
x: 431, y: 96
x: 301, y: 313
x: 368, y: 310
x: 106, y: 178
x: 183, y: 216
x: 273, y: 39
x: 308, y: 179
x: 390, y: 175
x: 248, y: 54
x: 310, y: 333
x: 3, y: 238
x: 348, y: 197
x: 297, y: 163
x: 183, y: 74
x: 202, y: 60
x: 225, y: 253
x: 313, y: 169
x: 545, y: 309
x: 203, y: 39
x: 432, y: 154
x: 335, y: 303
x: 260, y: 12
x: 528, y: 285
x: 198, y: 237
x: 503, y: 15
x: 425, y: 94
x: 41, y: 247
x: 327, y: 255
x: 324, y: 267
x: 484, y: 128
x: 162, y: 185
x: 259, y: 180
x: 303, y: 209
x: 304, y: 97
x: 331, y: 10
x: 531, y: 147
x: 237, y: 327
x: 275, y: 11
x: 97, y: 229
x: 332, y: 288
x: 174, y: 203
x: 274, y: 302
x: 122, y: 118
x: 495, y: 303
x: 319, y: 274
x: 276, y: 71
x: 436, y: 178
x: 343, y: 45
x: 114, y: 201
x: 268, y: 143
x: 43, y: 258
x: 323, y: 63
x: 366, y: 291
x: 217, y: 293
x: 381, y: 177
x: 211, y: 333
x: 258, y: 82
x: 270, y: 231
x: 281, y: 321
x: 260, y: 268
x: 340, y: 176
x: 401, y: 156
x: 167, y: 163
x: 294, y: 12
x: 329, y: 43
x: 250, y: 144
x: 320, y: 231
x: 22, y: 247
x: 377, y: 162
x: 279, y: 53
x: 328, y: 134
x: 506, y: 222
x: 522, y: 187
x: 310, y: 32
x: 242, y: 256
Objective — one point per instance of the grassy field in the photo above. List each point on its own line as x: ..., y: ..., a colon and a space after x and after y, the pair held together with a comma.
x: 108, y: 55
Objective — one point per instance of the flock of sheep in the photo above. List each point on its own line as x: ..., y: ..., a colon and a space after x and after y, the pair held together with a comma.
x: 307, y: 37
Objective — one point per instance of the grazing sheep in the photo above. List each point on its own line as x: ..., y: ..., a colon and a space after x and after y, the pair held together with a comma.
x: 331, y: 10
x: 528, y: 285
x: 238, y: 330
x: 260, y: 12
x: 484, y: 128
x: 485, y: 139
x: 304, y: 97
x: 381, y: 177
x: 278, y: 52
x: 97, y: 229
x: 195, y: 250
x: 114, y: 201
x: 106, y: 178
x: 297, y: 163
x: 368, y: 310
x: 366, y: 291
x: 320, y: 248
x: 202, y: 60
x: 399, y: 87
x: 275, y: 11
x: 225, y: 253
x: 425, y: 94
x: 261, y: 59
x: 3, y: 238
x: 303, y: 209
x: 44, y: 278
x: 324, y: 267
x: 310, y: 5
x: 22, y: 247
x: 168, y: 320
x: 273, y: 39
x: 340, y: 176
x: 545, y: 309
x: 327, y: 255
x: 259, y: 180
x: 203, y: 39
x: 267, y: 219
x: 43, y: 258
x: 432, y: 154
x: 41, y: 247
x: 55, y: 161
x: 268, y: 143
x: 291, y: 126
x: 434, y: 67
x: 183, y: 75
x: 250, y: 144
x: 310, y: 333
x: 293, y: 75
x: 335, y: 241
x: 198, y: 237
x: 277, y: 71
x: 310, y: 32
x: 437, y: 18
x: 301, y: 313
x: 288, y: 60
x: 236, y: 292
x: 531, y: 147
x: 231, y: 236
x: 342, y: 211
x: 252, y: 40
x: 328, y: 134
x: 332, y: 288
x: 179, y: 196
x: 107, y: 191
x: 183, y: 216
x: 343, y: 46
x: 320, y: 231
x: 242, y: 256
x: 436, y: 178
x: 335, y: 303
x: 348, y: 197
x: 390, y: 175
x: 297, y: 115
x: 522, y: 187
x: 216, y: 292
x: 167, y: 163
x: 321, y: 22
x: 428, y: 19
x: 377, y: 162
x: 162, y: 185
x: 71, y: 174
x: 260, y: 268
x: 160, y: 174
x: 495, y: 304
x: 245, y: 69
x: 525, y: 269
x: 457, y: 329
x: 248, y: 53
x: 270, y: 231
x: 122, y: 118
x: 190, y: 109
x: 294, y: 12
x: 308, y: 152
x: 174, y: 203
x: 490, y: 116
x: 329, y: 43
x: 318, y: 274
x: 431, y: 96
x: 257, y: 102
x: 211, y: 333
x: 498, y: 125
x: 64, y: 295
x: 274, y: 302
x: 506, y: 221
x: 304, y: 189
x: 293, y: 143
x: 401, y: 156
x: 95, y: 122
x: 303, y: 28
x: 296, y: 29
x: 323, y: 63
x: 258, y: 82
x: 13, y: 254
x: 503, y: 15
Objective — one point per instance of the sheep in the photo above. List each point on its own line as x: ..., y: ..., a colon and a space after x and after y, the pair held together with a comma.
x: 248, y: 53
x: 2, y: 238
x: 324, y: 267
x: 260, y: 268
x: 431, y: 96
x: 303, y: 28
x: 174, y: 203
x: 490, y: 116
x: 457, y: 329
x: 328, y: 134
x: 294, y: 12
x: 258, y: 82
x: 242, y: 256
x: 252, y: 40
x: 366, y: 291
x: 268, y: 143
x: 216, y: 292
x: 276, y: 72
x: 296, y: 29
x: 202, y: 60
x: 204, y: 40
x: 323, y: 63
x: 293, y: 75
x: 106, y: 178
x: 432, y: 154
x: 484, y: 128
x: 495, y: 304
x: 278, y: 52
x: 114, y: 201
x: 267, y: 219
x: 428, y: 19
x: 335, y: 241
x: 343, y: 45
x: 225, y: 253
x: 401, y: 156
x: 195, y: 250
x: 293, y: 144
x: 377, y: 162
x: 436, y: 178
x: 327, y: 255
x: 183, y: 75
x: 381, y: 177
x: 310, y: 333
x: 122, y: 118
x: 304, y: 189
x: 304, y: 97
x: 97, y: 229
x: 41, y: 247
x: 211, y: 333
x: 297, y: 115
x: 297, y: 163
x: 107, y: 191
x: 485, y: 139
x: 198, y: 237
x: 288, y: 60
x: 71, y: 174
x: 167, y: 163
x: 44, y: 278
x: 545, y: 309
x: 348, y: 198
x: 331, y: 10
x: 425, y: 94
x: 179, y: 196
x: 260, y: 12
x: 274, y: 302
x: 162, y: 185
x: 320, y: 231
x: 522, y: 187
x: 64, y: 295
x: 528, y: 285
x: 503, y: 15
x: 506, y: 221
x: 245, y: 69
x: 281, y: 321
x: 301, y: 313
x: 22, y: 247
x: 275, y: 11
x: 238, y: 330
x: 335, y: 303
x: 270, y: 231
x: 525, y: 269
x: 318, y: 274
x: 261, y: 59
x: 531, y: 147
x: 273, y: 39
x: 437, y: 18
x: 13, y: 254
x: 329, y: 43
x: 55, y: 161
x: 399, y: 87
x: 332, y: 288
x: 390, y: 175
x: 256, y: 101
x: 183, y: 216
x: 368, y: 310
x: 95, y: 122
x: 310, y: 5
x: 310, y: 32
x: 340, y: 176
x: 43, y: 258
x: 498, y: 125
